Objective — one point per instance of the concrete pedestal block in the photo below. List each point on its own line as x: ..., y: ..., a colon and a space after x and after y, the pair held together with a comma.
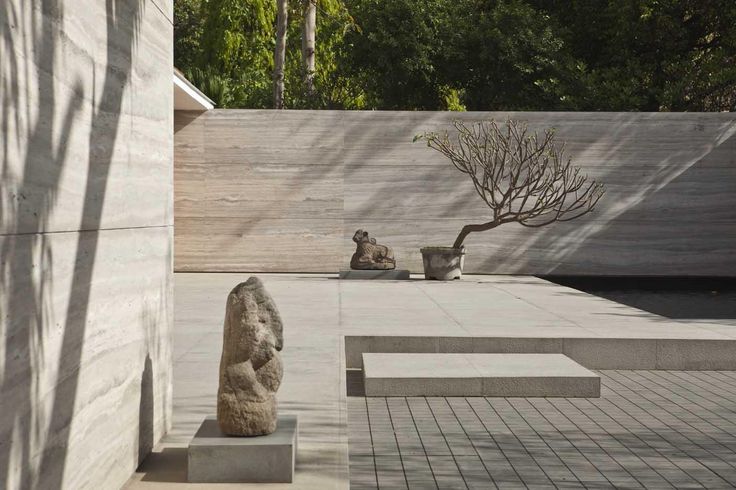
x: 393, y: 274
x: 217, y: 458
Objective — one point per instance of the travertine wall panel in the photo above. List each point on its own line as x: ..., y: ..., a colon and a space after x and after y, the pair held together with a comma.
x: 670, y: 207
x: 98, y: 377
x: 431, y: 194
x: 273, y: 191
x: 219, y: 243
x: 75, y: 118
x: 189, y: 146
x: 86, y: 239
x: 618, y: 248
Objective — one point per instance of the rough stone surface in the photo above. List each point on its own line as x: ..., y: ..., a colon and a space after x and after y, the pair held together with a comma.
x: 369, y: 255
x: 250, y: 367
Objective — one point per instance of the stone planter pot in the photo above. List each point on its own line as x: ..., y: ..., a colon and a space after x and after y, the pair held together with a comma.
x: 443, y: 263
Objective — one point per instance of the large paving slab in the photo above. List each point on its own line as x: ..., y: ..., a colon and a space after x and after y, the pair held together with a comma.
x: 412, y: 374
x: 497, y: 314
x: 320, y: 311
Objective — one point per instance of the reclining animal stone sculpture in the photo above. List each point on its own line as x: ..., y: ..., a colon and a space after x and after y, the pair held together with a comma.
x: 250, y: 367
x: 370, y: 255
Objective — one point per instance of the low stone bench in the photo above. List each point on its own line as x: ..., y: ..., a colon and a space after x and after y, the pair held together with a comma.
x: 503, y: 375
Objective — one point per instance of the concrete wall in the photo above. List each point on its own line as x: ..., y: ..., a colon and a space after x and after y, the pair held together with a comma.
x: 85, y: 239
x: 284, y: 191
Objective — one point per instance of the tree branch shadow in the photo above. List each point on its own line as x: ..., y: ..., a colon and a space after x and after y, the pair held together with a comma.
x: 35, y: 427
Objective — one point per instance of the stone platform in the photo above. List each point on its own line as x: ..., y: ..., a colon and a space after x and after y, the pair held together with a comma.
x: 390, y: 275
x: 507, y: 375
x: 217, y: 458
x: 329, y: 324
x: 702, y: 352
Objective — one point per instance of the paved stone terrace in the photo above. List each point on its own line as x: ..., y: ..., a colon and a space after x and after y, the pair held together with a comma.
x: 319, y: 311
x: 649, y: 429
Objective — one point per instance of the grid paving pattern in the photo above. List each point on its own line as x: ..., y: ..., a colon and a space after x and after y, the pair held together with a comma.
x: 649, y: 429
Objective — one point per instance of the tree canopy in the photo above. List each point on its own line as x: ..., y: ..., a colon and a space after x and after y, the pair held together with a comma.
x: 597, y: 55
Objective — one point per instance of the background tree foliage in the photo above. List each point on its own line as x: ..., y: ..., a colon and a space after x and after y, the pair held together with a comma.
x: 652, y: 55
x: 618, y: 55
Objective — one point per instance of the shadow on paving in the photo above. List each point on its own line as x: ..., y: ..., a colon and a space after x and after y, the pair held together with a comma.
x: 676, y: 298
x: 169, y: 465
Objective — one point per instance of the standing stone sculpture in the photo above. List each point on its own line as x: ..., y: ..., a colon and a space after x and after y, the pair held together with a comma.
x: 250, y: 367
x: 369, y: 255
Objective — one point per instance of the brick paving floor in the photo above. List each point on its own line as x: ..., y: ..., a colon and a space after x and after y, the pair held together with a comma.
x: 649, y: 429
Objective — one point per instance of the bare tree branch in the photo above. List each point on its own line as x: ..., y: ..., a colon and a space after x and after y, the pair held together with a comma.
x: 521, y: 176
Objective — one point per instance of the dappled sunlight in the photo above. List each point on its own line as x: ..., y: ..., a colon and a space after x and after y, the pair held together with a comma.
x: 62, y: 113
x: 317, y: 176
x: 648, y: 428
x: 611, y: 160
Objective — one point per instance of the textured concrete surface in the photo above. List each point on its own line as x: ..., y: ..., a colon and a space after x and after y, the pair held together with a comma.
x: 214, y: 457
x: 447, y: 374
x: 85, y: 239
x: 275, y: 191
x: 649, y: 429
x: 318, y: 311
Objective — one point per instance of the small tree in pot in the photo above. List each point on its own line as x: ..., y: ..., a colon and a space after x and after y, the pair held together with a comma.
x: 522, y: 177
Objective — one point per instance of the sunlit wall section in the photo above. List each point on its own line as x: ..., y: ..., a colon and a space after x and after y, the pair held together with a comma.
x: 85, y: 239
x: 285, y: 192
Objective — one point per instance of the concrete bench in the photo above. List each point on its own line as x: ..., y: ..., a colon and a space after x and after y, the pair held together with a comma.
x: 505, y: 375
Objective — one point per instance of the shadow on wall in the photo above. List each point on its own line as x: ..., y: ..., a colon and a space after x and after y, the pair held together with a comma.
x: 157, y: 354
x: 145, y: 412
x: 675, y: 219
x: 305, y: 162
x: 35, y: 129
x: 282, y: 186
x: 221, y: 138
x: 669, y: 208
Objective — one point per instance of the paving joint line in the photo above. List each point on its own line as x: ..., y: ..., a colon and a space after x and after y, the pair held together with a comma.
x: 659, y: 407
x: 496, y: 443
x: 564, y: 436
x: 689, y: 390
x: 398, y: 446
x: 520, y: 443
x: 452, y: 454
x: 490, y: 475
x: 596, y: 443
x: 667, y: 441
x: 642, y: 441
x: 421, y: 441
